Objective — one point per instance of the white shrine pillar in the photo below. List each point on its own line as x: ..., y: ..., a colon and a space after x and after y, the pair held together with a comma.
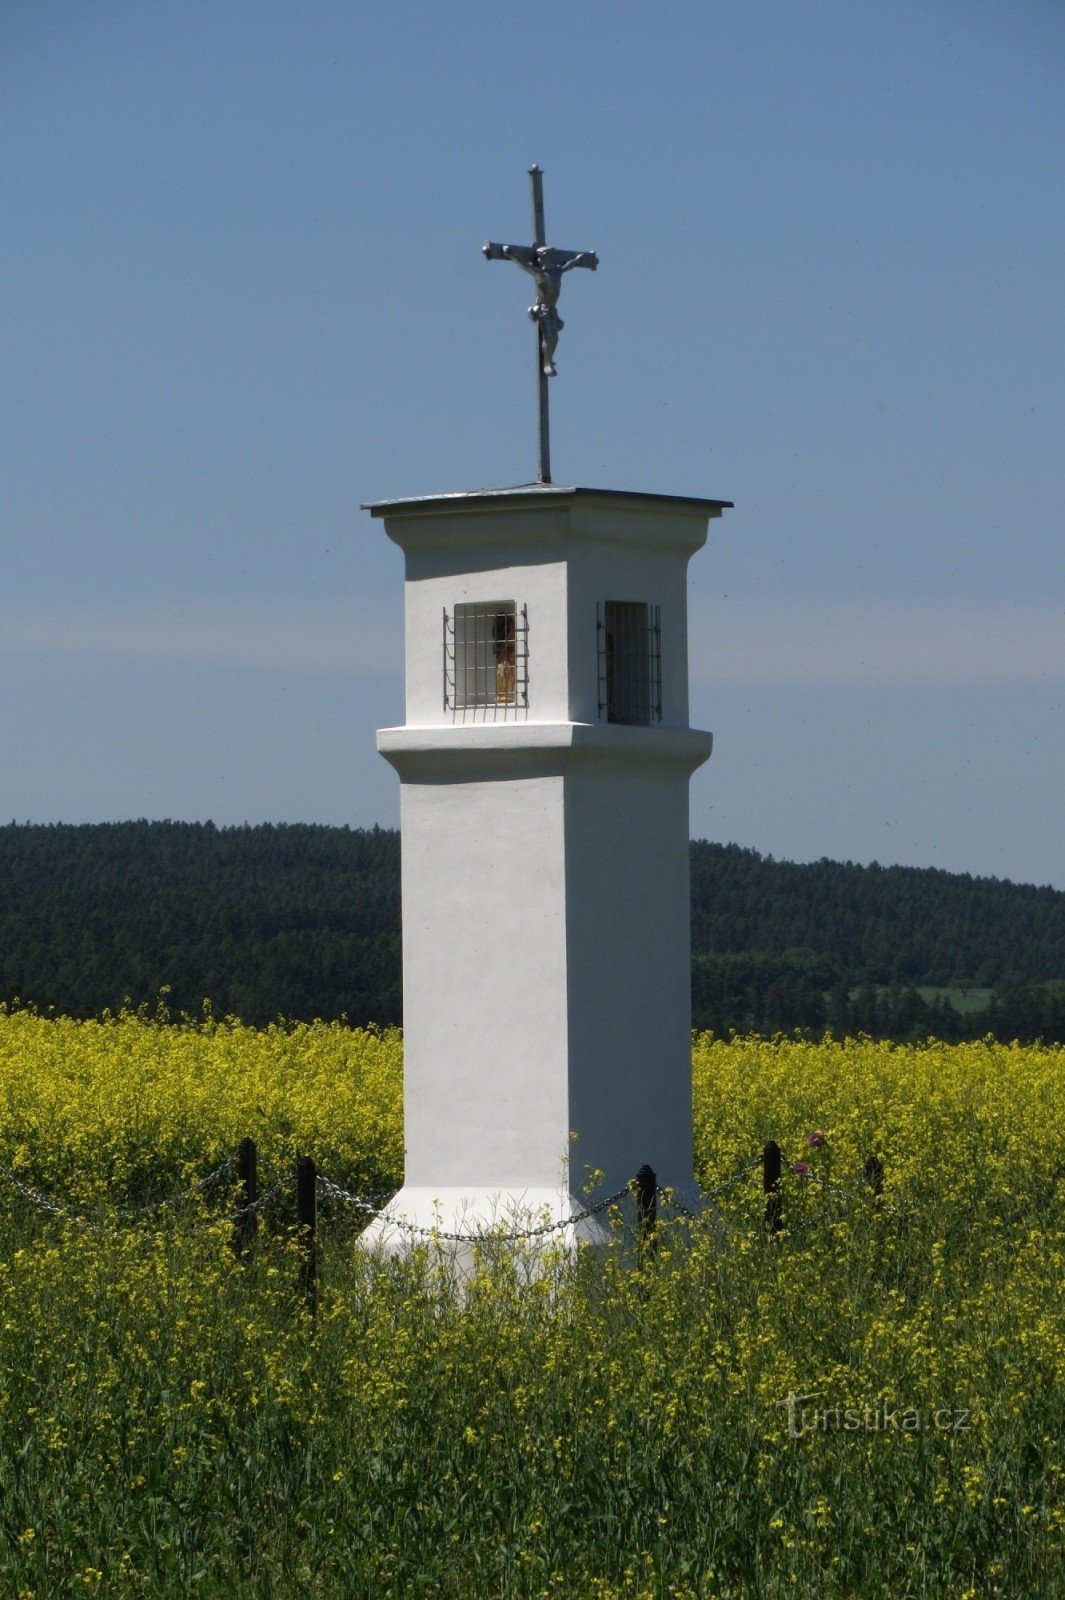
x: 544, y: 767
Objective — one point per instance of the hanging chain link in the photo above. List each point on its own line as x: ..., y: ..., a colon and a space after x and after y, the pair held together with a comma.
x: 673, y: 1200
x: 257, y: 1205
x: 368, y: 1202
x: 44, y: 1202
x: 737, y: 1177
x: 134, y: 1213
x: 82, y: 1219
x: 487, y: 1234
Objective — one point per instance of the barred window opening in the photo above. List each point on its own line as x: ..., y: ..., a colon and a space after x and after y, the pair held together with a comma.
x: 486, y: 656
x: 630, y: 662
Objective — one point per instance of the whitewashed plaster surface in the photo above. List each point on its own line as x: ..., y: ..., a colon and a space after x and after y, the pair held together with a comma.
x: 546, y: 906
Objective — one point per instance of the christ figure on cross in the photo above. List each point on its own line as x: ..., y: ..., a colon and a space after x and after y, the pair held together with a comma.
x: 546, y: 267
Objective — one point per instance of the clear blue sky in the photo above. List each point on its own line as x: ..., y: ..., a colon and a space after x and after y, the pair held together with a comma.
x: 244, y: 292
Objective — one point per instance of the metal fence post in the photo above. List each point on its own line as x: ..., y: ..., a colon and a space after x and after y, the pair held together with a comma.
x: 772, y: 1165
x: 247, y: 1220
x: 645, y: 1188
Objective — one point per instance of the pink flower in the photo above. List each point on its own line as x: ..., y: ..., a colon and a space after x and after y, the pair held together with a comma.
x: 801, y: 1168
x: 816, y: 1138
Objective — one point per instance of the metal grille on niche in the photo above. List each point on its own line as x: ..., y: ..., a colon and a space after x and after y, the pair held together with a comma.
x: 630, y: 661
x: 486, y: 658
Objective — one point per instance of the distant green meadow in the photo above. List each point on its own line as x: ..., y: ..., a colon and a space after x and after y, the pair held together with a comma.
x: 964, y: 1001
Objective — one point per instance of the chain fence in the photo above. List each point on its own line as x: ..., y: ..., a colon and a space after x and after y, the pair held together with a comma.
x: 378, y: 1207
x: 81, y: 1218
x: 488, y: 1232
x: 256, y: 1205
x: 137, y: 1213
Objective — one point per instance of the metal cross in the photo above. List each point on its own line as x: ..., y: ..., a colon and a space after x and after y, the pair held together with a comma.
x: 546, y: 267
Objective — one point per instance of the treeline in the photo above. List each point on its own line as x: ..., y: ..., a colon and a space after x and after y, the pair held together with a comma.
x: 294, y: 921
x: 761, y: 993
x: 881, y: 925
x: 302, y: 921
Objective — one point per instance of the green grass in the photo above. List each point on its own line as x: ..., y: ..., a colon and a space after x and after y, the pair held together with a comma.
x: 177, y: 1425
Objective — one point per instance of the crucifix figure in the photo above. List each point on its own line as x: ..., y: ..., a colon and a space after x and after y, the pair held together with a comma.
x: 545, y: 266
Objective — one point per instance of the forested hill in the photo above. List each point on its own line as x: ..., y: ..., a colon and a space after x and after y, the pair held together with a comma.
x: 293, y: 921
x: 303, y: 921
x: 879, y: 924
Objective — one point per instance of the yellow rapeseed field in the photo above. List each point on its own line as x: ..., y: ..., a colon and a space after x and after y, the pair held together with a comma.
x: 868, y: 1403
x: 128, y: 1106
